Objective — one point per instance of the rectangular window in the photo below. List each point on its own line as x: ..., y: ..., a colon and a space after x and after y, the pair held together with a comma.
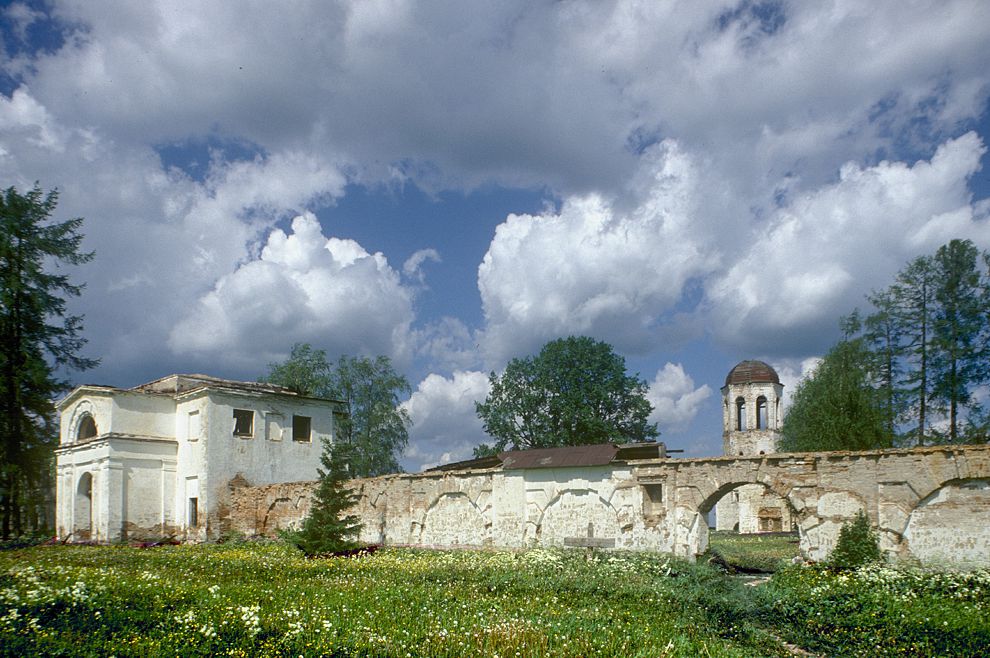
x: 652, y: 499
x: 273, y: 426
x: 301, y: 426
x: 243, y: 422
x: 193, y: 517
x: 193, y: 427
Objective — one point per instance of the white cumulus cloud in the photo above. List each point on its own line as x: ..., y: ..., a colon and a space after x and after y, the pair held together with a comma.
x: 675, y: 399
x: 597, y: 267
x: 445, y: 427
x: 814, y: 259
x: 303, y: 287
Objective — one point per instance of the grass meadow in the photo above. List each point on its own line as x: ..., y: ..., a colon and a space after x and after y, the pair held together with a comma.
x: 265, y: 599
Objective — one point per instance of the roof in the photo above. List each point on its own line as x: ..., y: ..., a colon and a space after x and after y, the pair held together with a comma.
x: 752, y: 372
x: 594, y: 455
x: 587, y: 455
x: 177, y: 385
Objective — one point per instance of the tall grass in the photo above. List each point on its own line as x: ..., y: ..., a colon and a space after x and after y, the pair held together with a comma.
x: 267, y: 600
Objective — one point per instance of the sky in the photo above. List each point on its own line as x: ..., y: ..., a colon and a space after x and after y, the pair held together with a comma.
x: 453, y: 184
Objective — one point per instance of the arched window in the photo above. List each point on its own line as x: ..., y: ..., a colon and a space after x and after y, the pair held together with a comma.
x: 761, y: 413
x: 87, y: 428
x: 740, y: 414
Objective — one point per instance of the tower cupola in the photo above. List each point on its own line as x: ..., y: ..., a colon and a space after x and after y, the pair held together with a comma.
x: 751, y: 413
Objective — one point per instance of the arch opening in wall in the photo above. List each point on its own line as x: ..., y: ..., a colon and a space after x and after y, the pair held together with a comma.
x: 86, y: 429
x: 761, y: 413
x: 82, y: 516
x: 740, y: 414
x: 747, y: 508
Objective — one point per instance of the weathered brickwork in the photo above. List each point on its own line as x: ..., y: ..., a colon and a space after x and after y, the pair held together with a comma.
x: 930, y: 504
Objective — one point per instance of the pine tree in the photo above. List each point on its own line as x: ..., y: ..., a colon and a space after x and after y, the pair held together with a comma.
x: 883, y: 334
x: 913, y: 298
x: 37, y: 339
x: 328, y: 528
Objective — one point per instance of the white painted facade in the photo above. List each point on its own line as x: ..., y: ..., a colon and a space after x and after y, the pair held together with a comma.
x: 156, y: 460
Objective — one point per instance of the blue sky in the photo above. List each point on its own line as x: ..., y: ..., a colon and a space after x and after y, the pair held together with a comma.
x: 454, y: 183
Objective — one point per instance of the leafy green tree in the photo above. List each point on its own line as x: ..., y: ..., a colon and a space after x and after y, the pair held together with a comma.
x: 836, y: 407
x: 38, y: 338
x: 374, y: 424
x: 574, y: 392
x: 328, y: 528
x: 959, y: 360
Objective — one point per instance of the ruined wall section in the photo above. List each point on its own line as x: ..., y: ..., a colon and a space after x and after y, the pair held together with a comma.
x: 931, y: 505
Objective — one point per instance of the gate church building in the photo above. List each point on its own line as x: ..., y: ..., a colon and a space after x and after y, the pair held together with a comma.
x: 157, y: 460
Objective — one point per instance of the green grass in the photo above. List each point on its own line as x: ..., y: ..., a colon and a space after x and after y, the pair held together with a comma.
x: 762, y: 552
x: 267, y: 600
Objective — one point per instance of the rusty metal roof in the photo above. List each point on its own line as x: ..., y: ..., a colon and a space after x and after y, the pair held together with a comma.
x: 748, y: 372
x: 595, y: 455
x: 589, y: 455
x: 648, y: 450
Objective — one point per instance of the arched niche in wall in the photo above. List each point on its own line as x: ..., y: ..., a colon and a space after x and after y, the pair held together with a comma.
x: 86, y: 428
x: 963, y: 506
x: 82, y: 517
x: 452, y: 520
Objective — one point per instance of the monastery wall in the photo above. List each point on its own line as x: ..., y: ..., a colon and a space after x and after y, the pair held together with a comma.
x: 931, y: 505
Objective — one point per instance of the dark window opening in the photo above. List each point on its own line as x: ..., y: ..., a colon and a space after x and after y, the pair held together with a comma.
x: 740, y: 414
x: 243, y: 422
x: 87, y: 428
x: 652, y: 498
x: 761, y: 413
x: 301, y: 426
x: 193, y: 512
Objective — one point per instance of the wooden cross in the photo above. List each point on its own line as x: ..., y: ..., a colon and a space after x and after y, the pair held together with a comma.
x: 590, y: 541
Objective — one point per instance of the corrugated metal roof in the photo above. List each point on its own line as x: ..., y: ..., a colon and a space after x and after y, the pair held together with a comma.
x: 590, y: 455
x: 594, y: 455
x: 482, y: 462
x: 650, y: 450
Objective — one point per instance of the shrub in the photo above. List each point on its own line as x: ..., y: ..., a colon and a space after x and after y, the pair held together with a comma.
x: 858, y: 544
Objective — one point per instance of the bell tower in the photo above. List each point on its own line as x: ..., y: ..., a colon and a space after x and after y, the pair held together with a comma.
x: 751, y: 413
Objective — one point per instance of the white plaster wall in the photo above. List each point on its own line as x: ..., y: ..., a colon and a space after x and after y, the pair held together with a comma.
x: 142, y: 414
x: 259, y: 459
x: 71, y: 464
x: 517, y: 508
x: 131, y: 492
x: 98, y: 405
x: 965, y: 507
x: 192, y: 465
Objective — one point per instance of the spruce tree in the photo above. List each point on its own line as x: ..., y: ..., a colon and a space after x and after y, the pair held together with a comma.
x: 328, y: 528
x: 38, y: 338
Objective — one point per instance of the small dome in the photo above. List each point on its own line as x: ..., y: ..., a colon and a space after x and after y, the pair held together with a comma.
x: 748, y: 372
